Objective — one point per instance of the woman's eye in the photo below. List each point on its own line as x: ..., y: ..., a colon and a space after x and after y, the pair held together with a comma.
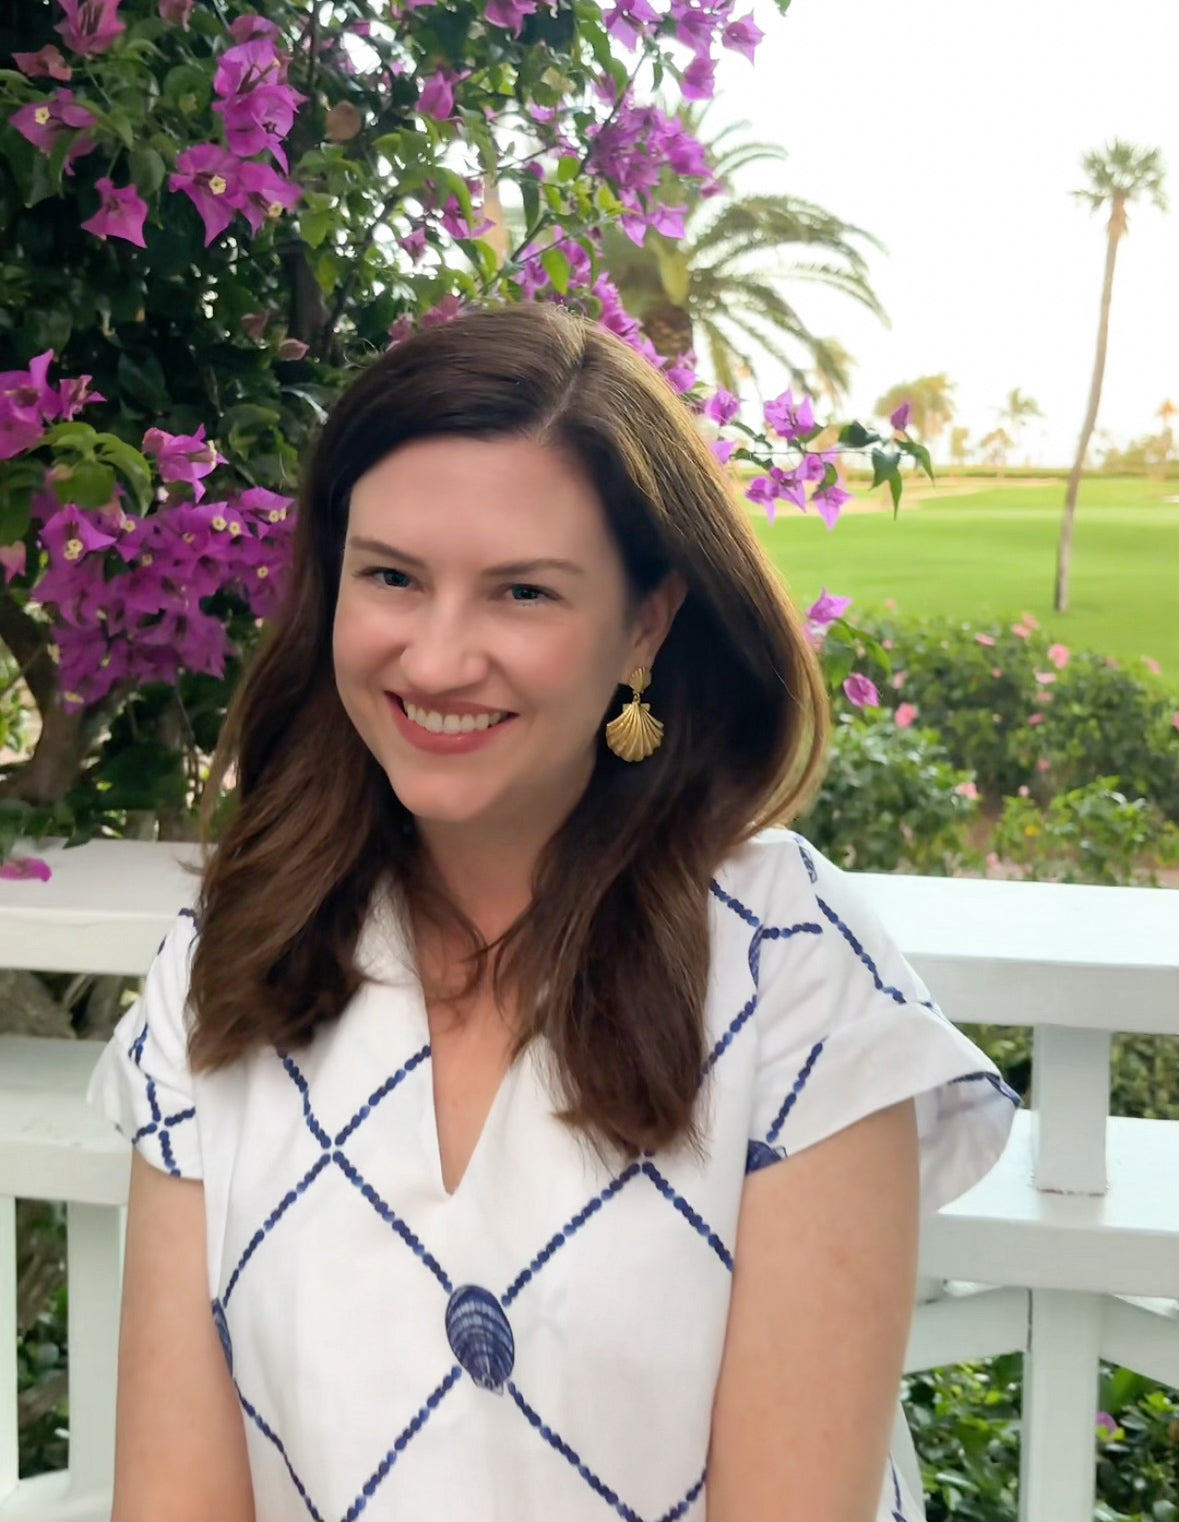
x: 378, y: 572
x: 542, y: 594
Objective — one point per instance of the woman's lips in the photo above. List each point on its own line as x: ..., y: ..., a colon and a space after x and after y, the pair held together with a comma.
x: 438, y: 743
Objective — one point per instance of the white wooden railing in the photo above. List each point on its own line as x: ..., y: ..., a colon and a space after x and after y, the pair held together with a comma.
x: 1068, y: 1252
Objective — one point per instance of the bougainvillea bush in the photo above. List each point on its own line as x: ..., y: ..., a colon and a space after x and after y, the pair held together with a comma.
x: 214, y: 214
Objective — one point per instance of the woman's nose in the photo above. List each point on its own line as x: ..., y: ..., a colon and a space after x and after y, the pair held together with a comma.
x: 442, y: 650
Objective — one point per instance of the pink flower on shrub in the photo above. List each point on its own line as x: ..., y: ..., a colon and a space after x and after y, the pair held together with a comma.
x: 121, y: 214
x: 1175, y: 720
x: 992, y: 860
x: 90, y: 26
x: 899, y: 678
x: 861, y: 692
x: 209, y: 176
x: 1059, y: 656
x: 437, y: 97
x: 996, y: 672
x: 905, y: 714
x: 967, y: 790
x: 1043, y: 764
x: 723, y: 449
x: 176, y: 12
x: 1034, y: 719
x: 25, y: 867
x: 985, y: 639
x: 1152, y: 665
x: 1106, y: 1424
x: 1021, y: 630
x: 1045, y: 678
x: 45, y: 63
x: 1030, y: 621
x: 185, y: 457
x: 742, y: 36
x: 827, y: 608
x: 509, y: 13
x: 722, y: 406
x: 790, y: 418
x: 12, y: 559
x: 43, y: 122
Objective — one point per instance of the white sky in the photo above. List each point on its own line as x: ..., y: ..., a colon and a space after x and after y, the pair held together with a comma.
x: 953, y: 130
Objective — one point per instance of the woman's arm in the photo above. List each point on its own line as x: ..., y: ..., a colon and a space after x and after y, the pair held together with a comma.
x: 180, y: 1447
x: 823, y: 1290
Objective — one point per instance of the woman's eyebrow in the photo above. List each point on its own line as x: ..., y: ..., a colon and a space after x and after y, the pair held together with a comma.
x: 512, y: 568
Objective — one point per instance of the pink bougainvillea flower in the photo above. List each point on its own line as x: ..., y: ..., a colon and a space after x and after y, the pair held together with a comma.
x: 446, y: 310
x: 43, y: 122
x: 254, y: 62
x: 437, y: 97
x: 669, y: 220
x: 257, y: 120
x: 967, y: 790
x: 263, y: 194
x: 210, y: 177
x: 790, y: 418
x: 121, y: 214
x: 905, y: 714
x: 509, y: 13
x: 723, y: 449
x: 185, y: 457
x: 90, y: 26
x: 46, y: 63
x: 12, y: 559
x: 21, y: 867
x: 1021, y: 630
x: 742, y: 36
x: 1059, y: 656
x: 247, y: 27
x: 27, y: 403
x: 984, y: 639
x: 827, y: 608
x: 682, y: 372
x: 176, y: 12
x: 722, y: 406
x: 860, y: 691
x: 900, y: 418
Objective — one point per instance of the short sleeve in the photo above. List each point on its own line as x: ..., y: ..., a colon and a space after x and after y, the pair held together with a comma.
x: 846, y: 1027
x: 141, y: 1081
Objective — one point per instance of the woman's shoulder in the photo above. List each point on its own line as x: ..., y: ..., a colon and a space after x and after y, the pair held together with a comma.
x: 773, y: 873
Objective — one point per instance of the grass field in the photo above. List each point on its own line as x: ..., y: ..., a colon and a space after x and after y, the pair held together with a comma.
x: 980, y: 550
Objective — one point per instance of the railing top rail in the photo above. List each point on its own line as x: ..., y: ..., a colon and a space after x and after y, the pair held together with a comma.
x: 1001, y: 952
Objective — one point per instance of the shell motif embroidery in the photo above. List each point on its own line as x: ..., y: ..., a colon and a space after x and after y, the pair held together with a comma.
x: 635, y: 733
x: 480, y: 1336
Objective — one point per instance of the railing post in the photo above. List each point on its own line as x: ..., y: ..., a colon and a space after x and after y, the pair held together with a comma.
x: 95, y: 1249
x: 1070, y: 1108
x: 9, y: 1439
x: 1058, y: 1437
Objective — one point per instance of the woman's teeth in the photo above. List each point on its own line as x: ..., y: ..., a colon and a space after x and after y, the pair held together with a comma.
x: 452, y: 723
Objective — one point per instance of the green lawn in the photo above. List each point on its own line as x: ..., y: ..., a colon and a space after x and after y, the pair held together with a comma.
x: 984, y: 551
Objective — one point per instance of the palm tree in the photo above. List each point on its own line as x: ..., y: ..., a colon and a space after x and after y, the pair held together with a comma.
x: 720, y: 287
x: 930, y: 396
x: 995, y: 446
x: 1018, y: 411
x: 959, y: 445
x: 1119, y: 175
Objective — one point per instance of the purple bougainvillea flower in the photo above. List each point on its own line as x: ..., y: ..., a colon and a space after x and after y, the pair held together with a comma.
x: 185, y: 457
x: 71, y: 533
x: 830, y: 503
x: 450, y: 307
x: 790, y: 418
x: 627, y: 18
x: 669, y: 220
x: 742, y: 36
x: 20, y: 867
x: 723, y: 449
x: 45, y: 63
x: 121, y: 214
x: 900, y: 418
x: 699, y: 80
x: 90, y: 26
x: 42, y: 122
x: 682, y: 372
x: 248, y: 65
x: 861, y: 692
x: 827, y: 608
x: 722, y: 406
x: 27, y: 403
x: 176, y: 12
x: 509, y: 13
x: 210, y: 177
x: 264, y: 194
x: 12, y: 559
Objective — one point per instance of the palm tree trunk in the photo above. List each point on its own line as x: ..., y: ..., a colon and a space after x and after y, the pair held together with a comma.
x: 1064, y: 553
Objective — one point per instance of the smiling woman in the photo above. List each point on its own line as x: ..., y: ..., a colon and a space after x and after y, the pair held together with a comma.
x: 464, y: 1097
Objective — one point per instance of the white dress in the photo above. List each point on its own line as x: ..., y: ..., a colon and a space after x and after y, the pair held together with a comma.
x: 544, y: 1342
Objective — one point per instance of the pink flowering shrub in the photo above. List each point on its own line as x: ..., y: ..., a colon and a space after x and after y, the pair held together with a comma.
x: 212, y: 214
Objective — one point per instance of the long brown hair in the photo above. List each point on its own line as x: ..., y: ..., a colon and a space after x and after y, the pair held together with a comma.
x: 612, y: 955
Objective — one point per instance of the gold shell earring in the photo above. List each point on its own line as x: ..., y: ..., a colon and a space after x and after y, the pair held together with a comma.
x: 635, y: 734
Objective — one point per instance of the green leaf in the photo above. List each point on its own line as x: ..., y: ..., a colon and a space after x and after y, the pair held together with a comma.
x: 187, y: 89
x: 856, y: 436
x: 530, y: 194
x: 919, y: 453
x: 89, y: 484
x: 314, y: 227
x: 77, y: 436
x: 884, y: 466
x: 557, y: 267
x: 130, y: 464
x: 143, y: 381
x: 142, y: 776
x: 147, y: 170
x: 568, y: 169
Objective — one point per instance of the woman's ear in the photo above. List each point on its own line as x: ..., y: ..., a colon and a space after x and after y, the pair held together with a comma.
x: 655, y: 617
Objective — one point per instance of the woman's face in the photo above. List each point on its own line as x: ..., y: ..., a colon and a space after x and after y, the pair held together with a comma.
x: 479, y: 576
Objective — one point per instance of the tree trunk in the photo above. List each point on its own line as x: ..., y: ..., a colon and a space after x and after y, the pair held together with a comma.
x: 1064, y: 554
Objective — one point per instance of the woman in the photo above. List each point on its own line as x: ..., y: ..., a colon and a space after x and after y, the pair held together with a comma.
x: 463, y: 1096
